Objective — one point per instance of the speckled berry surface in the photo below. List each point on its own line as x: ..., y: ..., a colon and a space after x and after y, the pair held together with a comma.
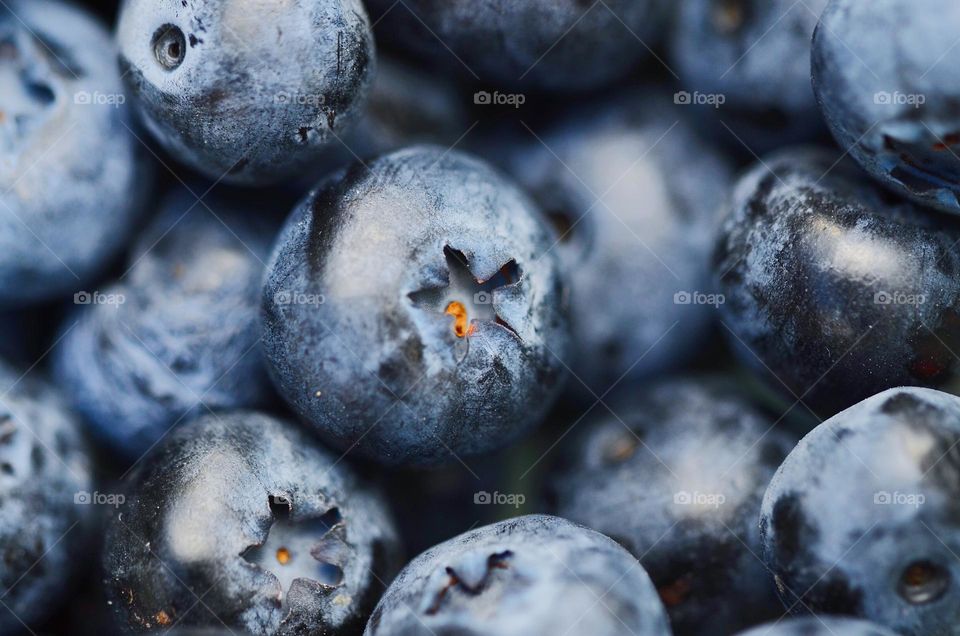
x: 72, y: 182
x: 676, y: 475
x: 247, y: 513
x: 862, y: 517
x: 635, y: 198
x: 45, y: 521
x: 245, y: 90
x: 412, y: 310
x: 535, y: 575
x: 835, y: 290
x: 884, y: 74
x: 819, y: 626
x: 179, y: 334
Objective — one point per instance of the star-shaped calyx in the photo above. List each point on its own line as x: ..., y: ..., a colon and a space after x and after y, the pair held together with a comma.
x: 466, y: 298
x: 312, y: 549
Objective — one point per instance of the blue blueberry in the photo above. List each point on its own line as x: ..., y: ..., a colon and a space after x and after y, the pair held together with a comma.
x: 246, y: 513
x: 179, y: 334
x: 71, y: 177
x: 754, y: 55
x: 634, y: 196
x: 557, y: 45
x: 249, y: 92
x: 884, y: 75
x: 676, y: 474
x: 863, y: 519
x: 819, y: 626
x: 835, y: 289
x: 413, y: 310
x: 45, y: 470
x: 535, y: 575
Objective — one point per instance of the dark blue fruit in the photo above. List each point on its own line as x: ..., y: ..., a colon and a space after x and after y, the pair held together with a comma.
x: 243, y: 91
x: 45, y: 484
x: 678, y: 482
x: 179, y: 334
x: 863, y: 517
x: 71, y: 179
x: 835, y: 289
x: 413, y: 311
x: 819, y: 626
x: 558, y: 45
x: 532, y: 576
x: 273, y: 534
x: 885, y: 77
x: 634, y: 197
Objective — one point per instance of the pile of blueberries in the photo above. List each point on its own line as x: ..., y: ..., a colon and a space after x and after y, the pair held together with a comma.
x: 628, y: 317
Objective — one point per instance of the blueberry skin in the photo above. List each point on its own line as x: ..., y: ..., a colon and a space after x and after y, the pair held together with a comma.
x: 756, y: 54
x: 188, y: 328
x: 44, y: 464
x: 554, y: 45
x: 635, y: 197
x: 869, y: 94
x: 834, y: 288
x: 357, y: 327
x: 862, y: 517
x: 72, y: 181
x: 819, y: 626
x: 252, y: 92
x: 248, y: 513
x: 535, y: 575
x: 635, y: 479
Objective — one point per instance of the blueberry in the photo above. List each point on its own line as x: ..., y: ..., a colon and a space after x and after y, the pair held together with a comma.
x: 819, y: 626
x: 862, y: 517
x: 835, y: 289
x: 179, y: 333
x: 535, y: 575
x: 557, y: 45
x: 413, y: 311
x: 678, y: 482
x: 249, y: 92
x: 45, y: 473
x: 884, y: 75
x: 242, y: 511
x: 754, y: 55
x: 71, y: 179
x: 634, y: 196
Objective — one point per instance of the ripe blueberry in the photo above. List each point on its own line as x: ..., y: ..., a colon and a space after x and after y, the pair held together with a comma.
x: 862, y: 517
x: 71, y: 179
x: 678, y: 482
x: 45, y: 485
x: 835, y: 289
x: 179, y: 334
x: 250, y: 92
x: 246, y: 513
x: 884, y: 75
x: 819, y: 626
x: 413, y: 310
x: 535, y: 575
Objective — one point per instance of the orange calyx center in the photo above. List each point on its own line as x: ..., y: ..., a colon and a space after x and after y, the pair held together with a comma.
x: 283, y: 556
x: 461, y: 322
